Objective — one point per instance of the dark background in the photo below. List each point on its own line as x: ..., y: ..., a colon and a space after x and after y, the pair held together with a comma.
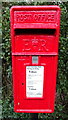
x: 61, y: 104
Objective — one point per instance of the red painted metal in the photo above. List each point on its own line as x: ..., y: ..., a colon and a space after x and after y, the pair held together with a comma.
x: 34, y: 32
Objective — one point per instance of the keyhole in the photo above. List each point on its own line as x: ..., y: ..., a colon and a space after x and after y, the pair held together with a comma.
x: 22, y: 83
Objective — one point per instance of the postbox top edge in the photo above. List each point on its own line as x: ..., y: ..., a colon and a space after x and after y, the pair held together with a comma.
x: 44, y: 7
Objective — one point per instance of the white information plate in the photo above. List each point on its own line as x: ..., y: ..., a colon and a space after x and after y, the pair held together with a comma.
x: 34, y: 81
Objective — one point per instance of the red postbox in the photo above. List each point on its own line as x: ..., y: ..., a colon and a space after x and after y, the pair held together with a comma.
x: 34, y: 41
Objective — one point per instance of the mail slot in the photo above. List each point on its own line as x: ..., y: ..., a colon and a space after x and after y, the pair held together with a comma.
x: 34, y: 43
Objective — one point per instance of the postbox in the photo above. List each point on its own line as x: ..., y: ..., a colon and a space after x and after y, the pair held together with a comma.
x: 34, y: 42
